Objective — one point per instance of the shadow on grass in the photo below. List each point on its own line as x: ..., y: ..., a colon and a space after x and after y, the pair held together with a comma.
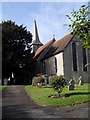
x: 76, y: 93
x: 47, y: 87
x: 70, y: 94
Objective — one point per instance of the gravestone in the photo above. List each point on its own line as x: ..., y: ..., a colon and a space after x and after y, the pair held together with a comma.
x: 71, y: 85
x: 80, y: 80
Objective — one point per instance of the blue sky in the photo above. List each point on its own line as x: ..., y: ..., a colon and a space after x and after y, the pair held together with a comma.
x: 50, y: 16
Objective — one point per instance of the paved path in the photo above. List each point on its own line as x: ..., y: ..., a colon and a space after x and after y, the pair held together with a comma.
x: 16, y: 104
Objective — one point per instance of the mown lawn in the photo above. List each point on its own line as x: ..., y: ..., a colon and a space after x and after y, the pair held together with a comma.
x: 80, y: 95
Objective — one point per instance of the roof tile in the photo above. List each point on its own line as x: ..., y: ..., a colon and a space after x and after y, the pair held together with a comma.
x: 39, y: 51
x: 59, y: 45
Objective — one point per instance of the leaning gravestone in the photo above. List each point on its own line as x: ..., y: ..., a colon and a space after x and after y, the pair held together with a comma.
x: 71, y: 85
x: 80, y: 80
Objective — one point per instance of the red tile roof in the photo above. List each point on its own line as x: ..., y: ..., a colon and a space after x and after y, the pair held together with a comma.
x: 59, y: 45
x: 39, y: 51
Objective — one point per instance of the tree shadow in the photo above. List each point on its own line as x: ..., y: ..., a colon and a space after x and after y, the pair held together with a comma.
x: 76, y: 93
x: 47, y: 87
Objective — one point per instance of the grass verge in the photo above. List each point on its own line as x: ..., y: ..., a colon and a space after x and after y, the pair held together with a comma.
x: 80, y: 95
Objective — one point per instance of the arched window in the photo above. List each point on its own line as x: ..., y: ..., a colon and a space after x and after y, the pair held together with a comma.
x: 56, y: 64
x: 74, y: 56
x: 84, y: 59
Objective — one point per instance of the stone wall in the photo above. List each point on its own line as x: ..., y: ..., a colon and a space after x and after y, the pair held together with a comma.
x: 38, y: 67
x: 65, y: 63
x: 50, y: 65
x: 68, y: 63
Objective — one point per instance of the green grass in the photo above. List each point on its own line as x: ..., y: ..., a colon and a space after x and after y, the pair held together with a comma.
x: 80, y: 95
x: 2, y: 87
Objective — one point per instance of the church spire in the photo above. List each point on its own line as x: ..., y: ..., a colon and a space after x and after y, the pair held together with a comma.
x: 35, y: 41
x: 35, y: 32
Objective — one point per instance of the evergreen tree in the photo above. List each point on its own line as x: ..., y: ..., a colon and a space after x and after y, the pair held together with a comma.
x: 16, y: 51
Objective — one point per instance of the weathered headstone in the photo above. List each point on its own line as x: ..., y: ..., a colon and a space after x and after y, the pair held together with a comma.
x: 71, y: 85
x: 80, y: 80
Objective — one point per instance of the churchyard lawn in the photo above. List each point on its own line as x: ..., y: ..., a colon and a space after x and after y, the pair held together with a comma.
x: 45, y: 95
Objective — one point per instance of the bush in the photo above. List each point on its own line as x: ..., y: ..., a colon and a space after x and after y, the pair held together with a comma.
x: 37, y: 80
x: 58, y: 83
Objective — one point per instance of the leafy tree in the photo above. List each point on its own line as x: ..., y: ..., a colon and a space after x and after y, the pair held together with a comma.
x: 16, y: 51
x: 80, y: 25
x: 58, y: 83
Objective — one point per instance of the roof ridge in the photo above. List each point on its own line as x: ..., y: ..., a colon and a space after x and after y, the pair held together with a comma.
x: 64, y: 36
x: 59, y: 45
x: 46, y: 49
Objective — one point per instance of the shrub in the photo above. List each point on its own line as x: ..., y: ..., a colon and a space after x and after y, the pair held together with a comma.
x: 58, y: 83
x: 37, y: 80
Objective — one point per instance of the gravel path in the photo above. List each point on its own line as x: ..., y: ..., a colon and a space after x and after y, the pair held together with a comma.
x: 16, y: 104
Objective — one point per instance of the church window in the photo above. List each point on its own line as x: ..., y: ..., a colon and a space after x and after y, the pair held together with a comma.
x: 74, y: 57
x: 56, y: 64
x: 84, y: 59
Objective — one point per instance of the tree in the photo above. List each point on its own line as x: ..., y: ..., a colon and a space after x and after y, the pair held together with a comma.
x: 80, y: 25
x: 58, y: 83
x: 16, y: 51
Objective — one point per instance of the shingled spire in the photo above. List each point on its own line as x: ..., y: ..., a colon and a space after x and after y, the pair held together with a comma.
x: 35, y: 41
x: 35, y: 32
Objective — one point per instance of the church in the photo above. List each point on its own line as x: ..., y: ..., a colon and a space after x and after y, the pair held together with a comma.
x: 60, y: 57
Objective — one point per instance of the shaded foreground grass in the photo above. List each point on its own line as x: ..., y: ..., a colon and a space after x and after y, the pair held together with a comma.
x: 80, y: 95
x: 2, y: 87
